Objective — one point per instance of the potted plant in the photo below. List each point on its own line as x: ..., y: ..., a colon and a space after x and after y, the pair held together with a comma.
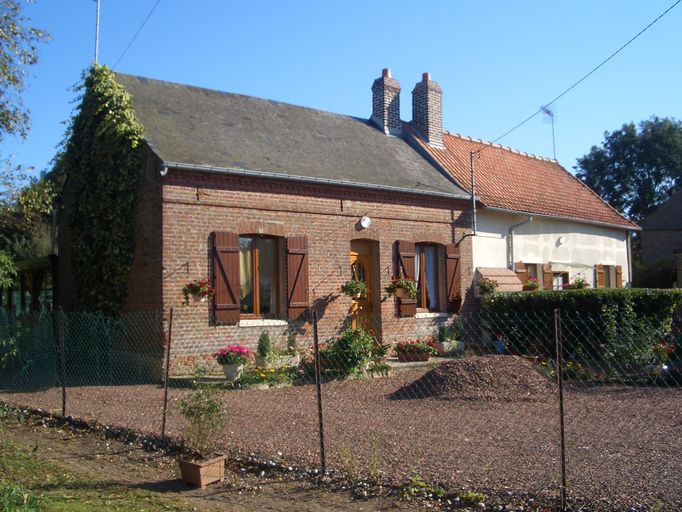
x: 200, y: 290
x: 264, y: 350
x: 450, y: 339
x: 355, y: 289
x: 206, y: 420
x: 402, y: 287
x: 415, y: 350
x: 233, y: 358
x: 531, y: 285
x: 500, y: 343
x: 579, y: 283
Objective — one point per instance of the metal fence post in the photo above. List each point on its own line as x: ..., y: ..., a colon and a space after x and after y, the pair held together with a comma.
x: 165, y: 379
x: 318, y: 383
x: 57, y: 332
x: 560, y: 383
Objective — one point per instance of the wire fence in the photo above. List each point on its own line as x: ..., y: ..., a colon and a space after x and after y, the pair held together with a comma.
x: 563, y: 408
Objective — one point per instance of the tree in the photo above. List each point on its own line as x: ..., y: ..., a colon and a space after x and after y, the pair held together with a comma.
x: 18, y: 49
x: 636, y: 168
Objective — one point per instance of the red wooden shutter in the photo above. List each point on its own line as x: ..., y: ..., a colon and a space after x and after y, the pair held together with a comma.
x: 600, y: 279
x: 297, y: 276
x: 547, y: 277
x: 520, y: 269
x: 406, y: 255
x: 454, y: 277
x: 226, y: 277
x: 619, y: 276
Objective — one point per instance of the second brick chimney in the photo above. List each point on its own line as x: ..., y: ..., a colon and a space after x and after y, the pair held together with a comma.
x: 386, y: 103
x: 427, y: 110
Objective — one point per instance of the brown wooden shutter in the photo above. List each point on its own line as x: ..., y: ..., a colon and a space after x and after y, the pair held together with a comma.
x: 520, y: 269
x: 547, y: 276
x: 406, y: 255
x: 619, y: 276
x: 600, y: 280
x: 297, y: 276
x: 453, y: 270
x: 226, y: 277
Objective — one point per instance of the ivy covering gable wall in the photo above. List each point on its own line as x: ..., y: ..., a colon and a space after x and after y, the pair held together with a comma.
x: 102, y: 159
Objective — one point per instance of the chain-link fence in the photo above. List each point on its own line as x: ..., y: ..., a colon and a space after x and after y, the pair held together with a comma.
x: 525, y: 406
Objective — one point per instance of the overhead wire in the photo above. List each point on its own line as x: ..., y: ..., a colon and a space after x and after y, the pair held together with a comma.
x: 144, y: 22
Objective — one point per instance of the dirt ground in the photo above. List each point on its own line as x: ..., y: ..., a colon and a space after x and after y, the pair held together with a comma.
x: 130, y: 465
x: 623, y: 443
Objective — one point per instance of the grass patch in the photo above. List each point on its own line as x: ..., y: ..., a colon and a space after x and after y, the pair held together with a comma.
x: 28, y: 483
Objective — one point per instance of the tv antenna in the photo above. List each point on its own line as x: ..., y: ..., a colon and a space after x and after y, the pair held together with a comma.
x: 550, y: 113
x: 97, y: 33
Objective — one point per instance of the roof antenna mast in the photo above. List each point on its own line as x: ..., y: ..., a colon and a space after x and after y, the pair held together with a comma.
x: 550, y: 113
x: 97, y: 33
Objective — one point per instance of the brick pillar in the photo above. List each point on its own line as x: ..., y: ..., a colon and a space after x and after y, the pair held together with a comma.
x: 427, y: 110
x: 386, y: 103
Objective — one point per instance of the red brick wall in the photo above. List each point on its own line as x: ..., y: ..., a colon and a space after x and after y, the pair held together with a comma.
x: 196, y: 204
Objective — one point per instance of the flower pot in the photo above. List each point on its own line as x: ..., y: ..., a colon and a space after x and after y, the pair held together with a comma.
x: 413, y: 356
x: 198, y: 297
x: 400, y: 293
x: 204, y: 472
x: 233, y: 371
x: 530, y: 288
x: 500, y: 347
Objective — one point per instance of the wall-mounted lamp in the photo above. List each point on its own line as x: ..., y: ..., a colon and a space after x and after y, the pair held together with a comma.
x: 365, y: 222
x: 561, y: 241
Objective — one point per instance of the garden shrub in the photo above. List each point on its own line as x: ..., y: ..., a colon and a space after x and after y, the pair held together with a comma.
x: 620, y: 327
x: 350, y: 351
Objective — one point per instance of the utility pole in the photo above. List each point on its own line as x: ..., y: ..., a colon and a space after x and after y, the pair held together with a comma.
x: 97, y: 34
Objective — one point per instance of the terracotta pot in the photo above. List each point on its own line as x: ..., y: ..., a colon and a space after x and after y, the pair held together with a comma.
x: 232, y: 371
x: 411, y: 356
x: 199, y: 297
x: 203, y: 473
x: 400, y: 293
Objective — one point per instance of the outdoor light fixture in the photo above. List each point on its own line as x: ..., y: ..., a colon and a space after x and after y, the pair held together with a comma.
x: 365, y: 222
x: 561, y: 240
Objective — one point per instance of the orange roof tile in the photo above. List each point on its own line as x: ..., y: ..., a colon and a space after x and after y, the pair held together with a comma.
x: 517, y: 181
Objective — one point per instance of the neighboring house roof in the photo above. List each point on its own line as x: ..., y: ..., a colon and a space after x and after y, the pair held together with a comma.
x: 507, y: 280
x: 667, y: 216
x: 516, y: 181
x: 212, y: 129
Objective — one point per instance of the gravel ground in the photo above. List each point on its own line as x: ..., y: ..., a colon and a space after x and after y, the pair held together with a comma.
x: 497, y: 434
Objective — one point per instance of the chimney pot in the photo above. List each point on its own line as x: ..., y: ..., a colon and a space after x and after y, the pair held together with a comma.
x: 426, y: 77
x: 386, y: 103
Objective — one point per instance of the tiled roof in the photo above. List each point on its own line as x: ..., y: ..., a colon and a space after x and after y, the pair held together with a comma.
x: 507, y: 280
x: 517, y: 181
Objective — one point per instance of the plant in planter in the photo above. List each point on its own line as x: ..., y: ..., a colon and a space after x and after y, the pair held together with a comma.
x: 206, y: 420
x: 500, y: 343
x: 233, y: 358
x: 349, y: 353
x: 264, y: 351
x: 531, y: 285
x: 450, y: 338
x: 402, y: 287
x: 355, y: 289
x: 415, y: 350
x: 200, y: 290
x: 579, y: 283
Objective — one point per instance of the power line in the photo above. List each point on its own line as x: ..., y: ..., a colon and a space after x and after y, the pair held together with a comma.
x: 149, y: 15
x: 584, y: 77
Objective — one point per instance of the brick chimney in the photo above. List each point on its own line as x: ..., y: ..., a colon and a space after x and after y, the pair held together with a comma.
x: 386, y: 103
x: 427, y: 110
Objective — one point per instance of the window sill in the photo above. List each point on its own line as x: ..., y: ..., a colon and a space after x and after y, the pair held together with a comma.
x: 430, y: 314
x: 262, y: 322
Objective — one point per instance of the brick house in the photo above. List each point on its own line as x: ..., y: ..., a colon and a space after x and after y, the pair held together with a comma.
x: 279, y: 205
x: 662, y: 236
x: 533, y: 218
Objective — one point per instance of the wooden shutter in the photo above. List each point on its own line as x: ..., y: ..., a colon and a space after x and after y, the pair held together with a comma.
x: 297, y: 276
x: 547, y: 276
x: 520, y: 269
x: 226, y: 277
x: 453, y: 271
x: 600, y: 280
x: 619, y: 276
x: 406, y: 255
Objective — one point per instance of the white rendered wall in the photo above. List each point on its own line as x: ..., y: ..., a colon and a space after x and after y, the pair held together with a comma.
x: 584, y: 245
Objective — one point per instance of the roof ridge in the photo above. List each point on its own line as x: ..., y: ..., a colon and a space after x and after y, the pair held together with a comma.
x: 500, y: 146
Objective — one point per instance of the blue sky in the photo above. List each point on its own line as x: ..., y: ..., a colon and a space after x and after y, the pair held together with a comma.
x: 497, y: 62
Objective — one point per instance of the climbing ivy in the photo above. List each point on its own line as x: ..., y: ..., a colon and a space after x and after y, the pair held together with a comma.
x: 102, y: 160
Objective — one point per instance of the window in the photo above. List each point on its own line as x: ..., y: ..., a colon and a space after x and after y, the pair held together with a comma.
x: 559, y: 279
x: 532, y: 271
x: 258, y: 276
x: 426, y: 272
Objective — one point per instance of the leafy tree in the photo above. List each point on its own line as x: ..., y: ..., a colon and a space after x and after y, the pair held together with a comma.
x: 18, y: 49
x: 637, y: 167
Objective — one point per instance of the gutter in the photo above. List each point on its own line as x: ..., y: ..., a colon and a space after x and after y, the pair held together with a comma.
x: 510, y: 241
x: 570, y: 219
x: 304, y: 179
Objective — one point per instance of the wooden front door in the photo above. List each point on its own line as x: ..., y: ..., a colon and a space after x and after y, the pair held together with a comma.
x: 361, y: 309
